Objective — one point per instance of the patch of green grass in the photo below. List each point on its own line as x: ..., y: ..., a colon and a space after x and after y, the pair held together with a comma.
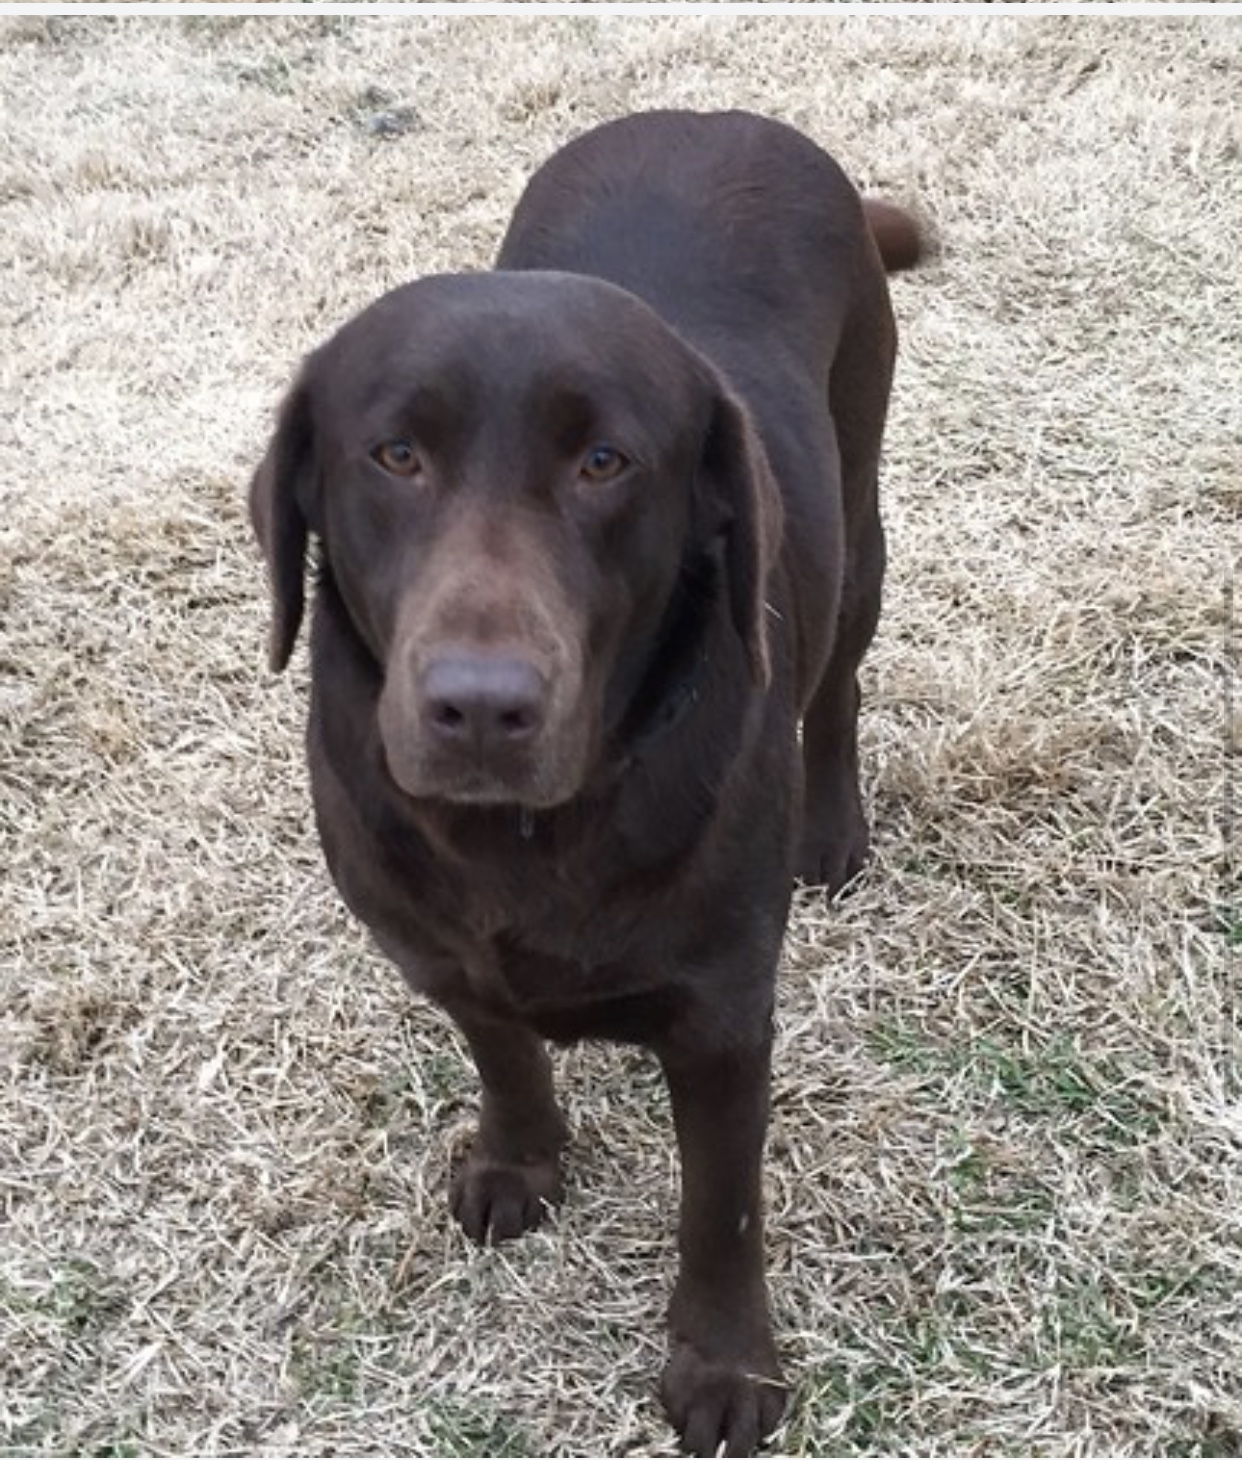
x: 80, y: 1298
x: 905, y: 1048
x: 447, y: 1077
x: 1052, y: 1081
x: 857, y: 1406
x: 996, y: 1190
x: 877, y: 1407
x: 1089, y: 1324
x: 871, y: 1398
x: 326, y: 1366
x: 86, y: 1298
x: 474, y: 1428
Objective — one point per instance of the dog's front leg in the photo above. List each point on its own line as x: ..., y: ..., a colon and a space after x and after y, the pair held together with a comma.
x: 511, y: 1174
x: 722, y: 1384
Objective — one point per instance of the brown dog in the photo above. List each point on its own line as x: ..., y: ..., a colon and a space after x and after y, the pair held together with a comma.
x: 597, y: 532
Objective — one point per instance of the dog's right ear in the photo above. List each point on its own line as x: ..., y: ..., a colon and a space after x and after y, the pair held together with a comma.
x: 278, y: 489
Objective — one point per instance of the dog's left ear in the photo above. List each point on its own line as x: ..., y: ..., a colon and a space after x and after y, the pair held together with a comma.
x: 278, y: 490
x: 739, y: 499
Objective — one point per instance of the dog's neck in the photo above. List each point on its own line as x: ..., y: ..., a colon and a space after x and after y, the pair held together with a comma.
x: 665, y: 686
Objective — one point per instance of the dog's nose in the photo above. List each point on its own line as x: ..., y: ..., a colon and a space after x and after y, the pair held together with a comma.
x: 483, y: 702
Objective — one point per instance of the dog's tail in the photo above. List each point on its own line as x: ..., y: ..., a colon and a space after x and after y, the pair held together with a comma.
x: 900, y: 239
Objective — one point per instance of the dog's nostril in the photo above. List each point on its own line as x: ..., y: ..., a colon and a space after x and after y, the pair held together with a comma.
x: 447, y: 717
x: 516, y: 722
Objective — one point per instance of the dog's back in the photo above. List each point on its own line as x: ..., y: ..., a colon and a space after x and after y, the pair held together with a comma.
x: 733, y: 227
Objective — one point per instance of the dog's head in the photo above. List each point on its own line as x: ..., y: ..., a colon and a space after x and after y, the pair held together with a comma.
x: 531, y: 497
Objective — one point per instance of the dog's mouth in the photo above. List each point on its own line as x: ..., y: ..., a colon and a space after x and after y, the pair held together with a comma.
x: 486, y: 791
x: 531, y: 778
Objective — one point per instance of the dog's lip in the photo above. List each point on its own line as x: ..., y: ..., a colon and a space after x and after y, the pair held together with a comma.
x: 477, y: 786
x: 487, y: 793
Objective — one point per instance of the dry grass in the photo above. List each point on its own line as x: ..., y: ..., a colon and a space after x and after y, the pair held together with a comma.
x: 1005, y: 1182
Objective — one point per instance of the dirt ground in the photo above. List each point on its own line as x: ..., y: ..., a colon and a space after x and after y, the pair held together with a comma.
x: 1005, y: 1179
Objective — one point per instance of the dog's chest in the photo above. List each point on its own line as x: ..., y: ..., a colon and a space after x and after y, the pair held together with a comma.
x: 569, y: 998
x: 558, y: 952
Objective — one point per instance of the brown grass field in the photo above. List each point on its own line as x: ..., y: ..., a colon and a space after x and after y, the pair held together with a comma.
x: 1005, y: 1177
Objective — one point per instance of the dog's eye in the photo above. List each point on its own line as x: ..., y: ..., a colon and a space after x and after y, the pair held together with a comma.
x: 397, y: 457
x: 602, y: 463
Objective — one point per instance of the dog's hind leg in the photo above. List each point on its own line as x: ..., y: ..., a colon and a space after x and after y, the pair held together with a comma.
x: 835, y: 834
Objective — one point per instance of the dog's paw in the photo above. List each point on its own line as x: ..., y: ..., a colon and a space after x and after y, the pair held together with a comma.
x: 498, y: 1200
x: 713, y: 1403
x: 833, y: 861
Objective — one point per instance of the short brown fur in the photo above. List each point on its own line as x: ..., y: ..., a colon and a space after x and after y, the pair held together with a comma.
x: 554, y: 722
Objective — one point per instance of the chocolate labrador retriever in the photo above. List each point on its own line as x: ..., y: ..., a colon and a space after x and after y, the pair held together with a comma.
x: 597, y: 535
